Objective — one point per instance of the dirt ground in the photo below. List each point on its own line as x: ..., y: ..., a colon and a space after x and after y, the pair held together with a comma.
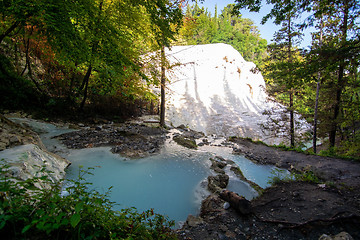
x: 287, y: 210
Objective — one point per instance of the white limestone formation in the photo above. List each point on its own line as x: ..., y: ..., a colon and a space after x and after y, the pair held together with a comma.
x: 212, y: 89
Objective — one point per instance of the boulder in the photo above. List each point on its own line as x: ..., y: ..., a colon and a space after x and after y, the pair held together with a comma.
x: 26, y: 161
x: 185, y: 142
x: 218, y: 182
x: 212, y: 204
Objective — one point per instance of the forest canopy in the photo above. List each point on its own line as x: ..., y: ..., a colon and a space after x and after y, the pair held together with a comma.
x: 78, y: 52
x: 200, y: 27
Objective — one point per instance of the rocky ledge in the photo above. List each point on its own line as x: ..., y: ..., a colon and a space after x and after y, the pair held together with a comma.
x: 128, y: 139
x: 22, y: 151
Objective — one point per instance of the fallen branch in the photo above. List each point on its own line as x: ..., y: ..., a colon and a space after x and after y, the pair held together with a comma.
x: 237, y: 202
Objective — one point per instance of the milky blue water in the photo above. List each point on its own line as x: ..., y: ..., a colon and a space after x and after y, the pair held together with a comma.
x: 172, y: 182
x: 167, y: 183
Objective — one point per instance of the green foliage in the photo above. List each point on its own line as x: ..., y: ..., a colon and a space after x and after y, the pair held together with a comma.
x: 307, y: 176
x: 16, y: 92
x: 28, y: 212
x: 281, y: 175
x: 199, y: 27
x: 83, y: 50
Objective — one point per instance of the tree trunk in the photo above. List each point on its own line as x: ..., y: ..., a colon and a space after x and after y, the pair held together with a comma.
x: 86, y: 83
x: 28, y: 64
x: 70, y: 92
x: 317, y: 90
x: 291, y: 93
x: 237, y: 202
x: 162, y: 102
x: 316, y: 115
x: 340, y: 83
x: 292, y: 128
x: 9, y: 30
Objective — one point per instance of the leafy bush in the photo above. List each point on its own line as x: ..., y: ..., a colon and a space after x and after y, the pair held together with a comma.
x: 28, y: 212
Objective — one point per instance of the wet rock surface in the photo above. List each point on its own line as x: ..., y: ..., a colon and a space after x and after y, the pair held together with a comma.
x: 25, y: 155
x: 288, y: 210
x: 13, y: 134
x: 187, y: 137
x: 129, y: 140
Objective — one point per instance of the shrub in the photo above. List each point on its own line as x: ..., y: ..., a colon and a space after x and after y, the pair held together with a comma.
x: 28, y: 212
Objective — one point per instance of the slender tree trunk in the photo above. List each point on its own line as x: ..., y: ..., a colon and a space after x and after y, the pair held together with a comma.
x: 28, y: 65
x: 291, y: 92
x: 340, y: 83
x: 292, y: 128
x: 162, y: 102
x: 317, y: 91
x: 70, y: 92
x: 316, y: 115
x: 9, y: 30
x: 86, y: 83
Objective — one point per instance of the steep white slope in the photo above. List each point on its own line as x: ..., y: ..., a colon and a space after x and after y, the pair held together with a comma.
x: 214, y: 90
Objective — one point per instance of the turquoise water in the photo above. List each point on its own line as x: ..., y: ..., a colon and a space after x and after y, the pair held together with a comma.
x: 167, y: 183
x: 260, y: 174
x: 172, y: 182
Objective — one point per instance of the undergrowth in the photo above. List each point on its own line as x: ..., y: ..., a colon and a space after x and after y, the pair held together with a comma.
x: 281, y: 175
x: 28, y: 212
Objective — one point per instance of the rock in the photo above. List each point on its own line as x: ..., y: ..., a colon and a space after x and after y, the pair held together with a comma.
x: 218, y: 182
x: 193, y: 221
x: 340, y: 236
x: 182, y: 127
x: 211, y: 204
x: 230, y: 235
x: 185, y: 142
x: 237, y: 202
x: 26, y: 161
x: 226, y: 205
x: 238, y: 172
x: 133, y: 141
x: 217, y: 166
x: 13, y: 134
x: 14, y: 140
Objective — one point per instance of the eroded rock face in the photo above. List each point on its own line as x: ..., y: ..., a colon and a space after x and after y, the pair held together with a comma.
x: 25, y: 155
x: 13, y: 134
x: 26, y: 161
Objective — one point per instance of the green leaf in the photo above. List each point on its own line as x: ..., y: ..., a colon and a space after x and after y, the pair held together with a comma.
x: 79, y: 207
x: 75, y: 219
x: 27, y: 227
